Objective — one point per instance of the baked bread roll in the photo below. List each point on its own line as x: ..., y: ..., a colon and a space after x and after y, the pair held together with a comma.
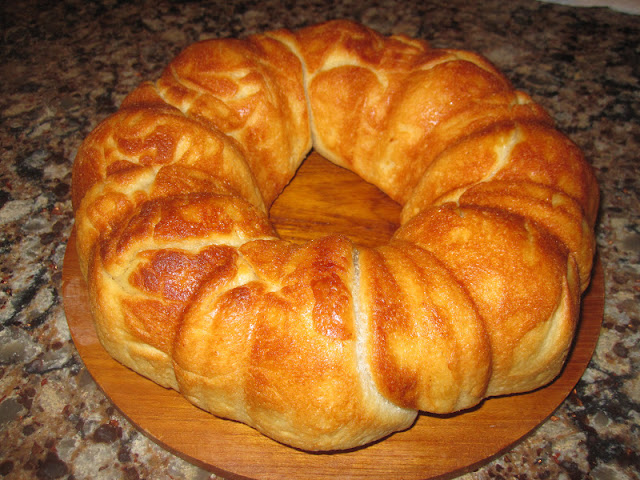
x: 330, y: 345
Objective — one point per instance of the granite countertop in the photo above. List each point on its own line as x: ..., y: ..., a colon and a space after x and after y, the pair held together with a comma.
x: 66, y: 65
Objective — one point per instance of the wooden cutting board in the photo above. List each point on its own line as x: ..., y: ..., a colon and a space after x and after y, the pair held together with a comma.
x: 324, y: 199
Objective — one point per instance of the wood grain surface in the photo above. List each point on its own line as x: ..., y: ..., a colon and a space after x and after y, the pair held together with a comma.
x: 324, y: 199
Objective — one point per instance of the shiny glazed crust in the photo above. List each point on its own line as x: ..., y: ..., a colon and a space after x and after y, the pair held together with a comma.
x: 330, y: 345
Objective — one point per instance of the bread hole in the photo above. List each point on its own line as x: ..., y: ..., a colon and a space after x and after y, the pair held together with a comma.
x: 324, y: 199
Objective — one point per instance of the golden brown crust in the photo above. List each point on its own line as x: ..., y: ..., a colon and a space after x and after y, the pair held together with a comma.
x: 379, y: 121
x: 326, y: 345
x: 152, y: 136
x: 235, y: 85
x: 522, y: 281
x: 279, y: 354
x: 145, y: 272
x: 419, y: 313
x: 513, y: 152
x: 552, y: 209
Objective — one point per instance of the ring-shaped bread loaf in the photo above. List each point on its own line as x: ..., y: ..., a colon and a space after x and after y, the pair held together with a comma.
x: 330, y: 345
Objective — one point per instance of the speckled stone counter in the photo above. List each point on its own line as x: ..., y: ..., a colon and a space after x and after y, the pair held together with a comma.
x: 66, y: 65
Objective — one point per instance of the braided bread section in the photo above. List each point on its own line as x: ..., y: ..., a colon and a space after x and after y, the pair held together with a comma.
x: 385, y: 107
x: 331, y: 345
x: 284, y: 353
x: 252, y: 91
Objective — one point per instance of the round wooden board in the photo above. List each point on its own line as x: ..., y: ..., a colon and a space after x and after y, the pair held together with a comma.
x: 323, y: 199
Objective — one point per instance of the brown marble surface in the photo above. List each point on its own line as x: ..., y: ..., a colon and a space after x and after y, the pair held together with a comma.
x: 65, y: 65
